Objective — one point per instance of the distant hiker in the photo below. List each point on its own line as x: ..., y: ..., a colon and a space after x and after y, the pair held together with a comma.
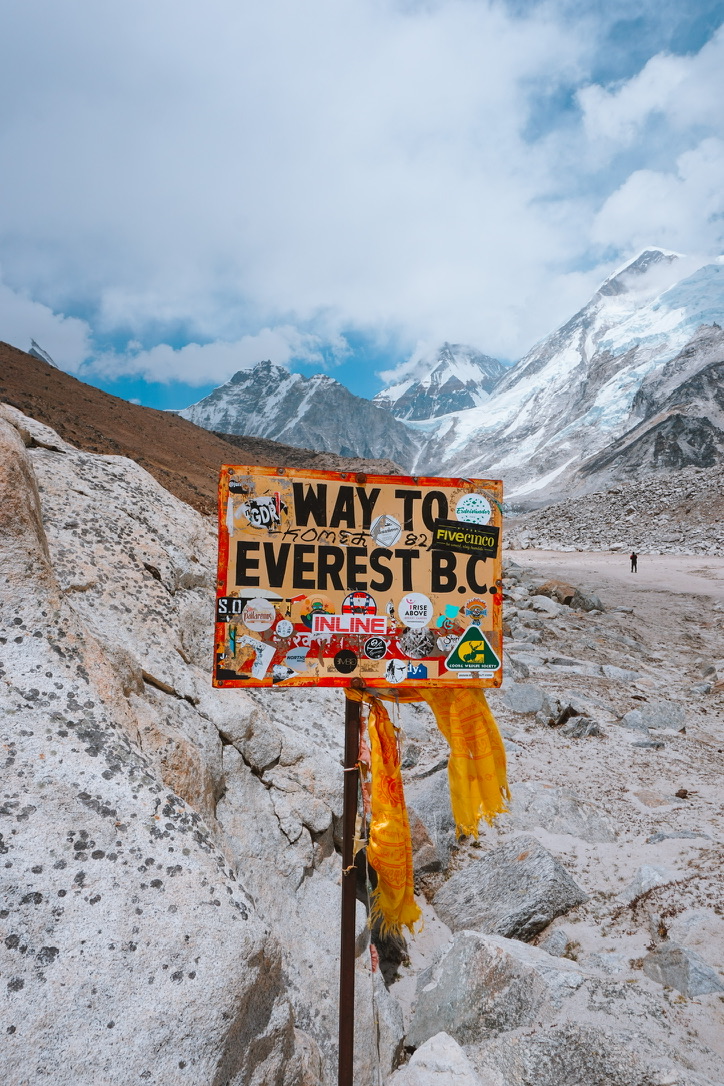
x: 634, y: 562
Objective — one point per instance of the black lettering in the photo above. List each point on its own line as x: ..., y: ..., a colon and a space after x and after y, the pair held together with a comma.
x: 244, y: 563
x: 327, y: 537
x: 330, y: 562
x: 300, y: 567
x: 355, y: 570
x: 434, y: 497
x: 368, y: 503
x: 343, y: 508
x: 406, y: 557
x: 309, y: 535
x: 314, y: 502
x: 470, y: 574
x: 443, y: 577
x: 409, y: 497
x: 276, y: 567
x: 385, y: 572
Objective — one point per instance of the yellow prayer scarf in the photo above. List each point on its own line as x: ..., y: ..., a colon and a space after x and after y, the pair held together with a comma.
x: 476, y: 775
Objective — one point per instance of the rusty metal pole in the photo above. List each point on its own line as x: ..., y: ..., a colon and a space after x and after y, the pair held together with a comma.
x: 349, y: 894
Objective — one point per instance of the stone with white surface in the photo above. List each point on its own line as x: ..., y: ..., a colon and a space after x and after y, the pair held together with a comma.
x: 485, y: 984
x: 515, y: 890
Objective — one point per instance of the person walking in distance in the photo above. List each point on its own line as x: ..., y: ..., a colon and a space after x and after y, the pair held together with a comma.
x: 634, y: 562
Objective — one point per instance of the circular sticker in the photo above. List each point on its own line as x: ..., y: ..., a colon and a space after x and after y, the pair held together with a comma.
x: 473, y: 509
x: 284, y: 628
x: 345, y: 661
x: 385, y: 530
x: 414, y: 610
x: 297, y: 658
x: 359, y: 603
x: 258, y: 615
x: 311, y: 605
x: 396, y: 671
x: 417, y: 643
x: 375, y: 648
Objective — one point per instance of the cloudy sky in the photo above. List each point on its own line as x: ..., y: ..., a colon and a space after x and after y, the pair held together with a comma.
x: 188, y: 188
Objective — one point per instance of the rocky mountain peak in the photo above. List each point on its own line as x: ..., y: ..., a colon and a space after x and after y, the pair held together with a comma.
x: 453, y: 377
x: 619, y: 282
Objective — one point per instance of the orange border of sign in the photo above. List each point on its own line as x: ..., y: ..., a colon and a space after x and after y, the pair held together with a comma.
x: 494, y: 487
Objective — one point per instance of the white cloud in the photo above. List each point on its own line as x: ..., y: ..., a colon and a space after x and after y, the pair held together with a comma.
x: 197, y: 363
x: 266, y: 175
x: 66, y: 339
x: 682, y: 208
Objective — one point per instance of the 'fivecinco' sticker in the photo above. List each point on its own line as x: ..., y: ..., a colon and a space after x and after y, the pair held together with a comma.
x: 473, y: 509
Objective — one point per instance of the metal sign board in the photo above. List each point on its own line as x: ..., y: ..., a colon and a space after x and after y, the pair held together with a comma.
x: 326, y: 577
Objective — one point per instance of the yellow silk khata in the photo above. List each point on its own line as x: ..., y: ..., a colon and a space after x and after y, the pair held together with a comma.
x: 476, y: 775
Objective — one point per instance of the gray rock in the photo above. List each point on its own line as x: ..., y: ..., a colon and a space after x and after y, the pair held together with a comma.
x: 578, y: 1055
x: 700, y: 688
x: 681, y: 968
x: 431, y: 821
x: 516, y: 890
x: 557, y: 810
x: 440, y: 1061
x: 525, y: 698
x: 647, y: 878
x: 581, y: 727
x: 649, y: 744
x: 556, y: 943
x: 634, y: 719
x: 547, y: 606
x: 663, y: 714
x: 484, y: 984
x: 622, y: 674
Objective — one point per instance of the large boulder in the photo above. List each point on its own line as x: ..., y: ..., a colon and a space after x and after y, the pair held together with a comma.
x: 575, y: 1054
x: 681, y: 968
x: 515, y: 890
x: 484, y: 985
x: 131, y: 949
x: 439, y: 1062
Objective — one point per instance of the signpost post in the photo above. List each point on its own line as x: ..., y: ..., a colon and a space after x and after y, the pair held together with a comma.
x: 377, y: 582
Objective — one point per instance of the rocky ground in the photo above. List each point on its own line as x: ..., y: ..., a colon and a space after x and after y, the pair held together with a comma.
x: 678, y: 513
x: 170, y: 870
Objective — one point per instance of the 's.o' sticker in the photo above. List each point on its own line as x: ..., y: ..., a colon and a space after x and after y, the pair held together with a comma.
x: 258, y: 615
x: 385, y: 530
x: 473, y: 509
x: 414, y: 610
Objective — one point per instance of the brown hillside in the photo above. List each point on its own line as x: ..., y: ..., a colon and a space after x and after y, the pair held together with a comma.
x: 184, y: 458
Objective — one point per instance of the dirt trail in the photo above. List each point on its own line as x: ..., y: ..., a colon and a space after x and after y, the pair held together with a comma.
x: 691, y: 575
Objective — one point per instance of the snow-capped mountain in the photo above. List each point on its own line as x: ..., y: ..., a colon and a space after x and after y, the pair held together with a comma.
x: 633, y: 382
x: 452, y: 378
x: 629, y: 382
x: 312, y: 412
